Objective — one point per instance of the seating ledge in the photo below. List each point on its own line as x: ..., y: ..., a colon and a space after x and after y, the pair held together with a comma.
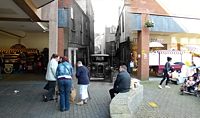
x: 124, y: 105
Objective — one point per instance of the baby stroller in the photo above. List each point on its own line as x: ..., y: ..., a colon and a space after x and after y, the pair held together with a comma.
x: 191, y: 86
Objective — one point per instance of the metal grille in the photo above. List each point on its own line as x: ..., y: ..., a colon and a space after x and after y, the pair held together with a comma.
x: 100, y: 69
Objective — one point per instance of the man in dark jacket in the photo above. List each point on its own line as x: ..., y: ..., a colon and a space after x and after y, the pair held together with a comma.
x: 83, y: 81
x: 122, y: 83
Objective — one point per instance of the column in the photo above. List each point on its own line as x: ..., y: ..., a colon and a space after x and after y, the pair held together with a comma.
x: 143, y: 50
x: 53, y: 28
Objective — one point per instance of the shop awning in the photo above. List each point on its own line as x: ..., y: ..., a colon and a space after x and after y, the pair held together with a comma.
x: 155, y: 44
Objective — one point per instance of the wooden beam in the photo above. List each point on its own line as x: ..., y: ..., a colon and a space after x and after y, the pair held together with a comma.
x: 27, y: 9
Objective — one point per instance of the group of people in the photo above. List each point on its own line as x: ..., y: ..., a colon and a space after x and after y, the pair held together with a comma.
x: 60, y: 71
x: 190, y: 73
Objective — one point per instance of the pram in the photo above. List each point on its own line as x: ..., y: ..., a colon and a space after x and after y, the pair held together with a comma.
x: 191, y: 86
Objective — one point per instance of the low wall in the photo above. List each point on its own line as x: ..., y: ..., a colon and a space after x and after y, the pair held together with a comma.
x: 124, y: 105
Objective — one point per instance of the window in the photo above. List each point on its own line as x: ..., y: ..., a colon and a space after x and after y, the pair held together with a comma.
x: 122, y: 22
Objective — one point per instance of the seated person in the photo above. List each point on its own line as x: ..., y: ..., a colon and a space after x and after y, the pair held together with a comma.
x: 190, y: 84
x: 122, y: 82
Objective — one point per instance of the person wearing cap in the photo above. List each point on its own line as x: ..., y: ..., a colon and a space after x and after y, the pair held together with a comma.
x: 166, y: 71
x: 51, y: 78
x: 64, y: 74
x: 83, y: 75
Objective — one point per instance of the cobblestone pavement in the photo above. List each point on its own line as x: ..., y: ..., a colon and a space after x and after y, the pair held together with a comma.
x: 27, y: 103
x: 169, y: 101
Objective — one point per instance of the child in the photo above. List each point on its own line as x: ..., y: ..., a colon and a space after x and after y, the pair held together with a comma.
x: 190, y: 84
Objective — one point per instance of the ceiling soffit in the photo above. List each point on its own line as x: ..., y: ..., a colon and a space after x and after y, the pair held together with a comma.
x: 21, y: 15
x: 41, y: 3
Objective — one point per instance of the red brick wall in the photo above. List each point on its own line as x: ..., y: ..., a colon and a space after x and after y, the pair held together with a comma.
x: 61, y: 41
x: 146, y: 6
x: 143, y: 51
x: 64, y: 3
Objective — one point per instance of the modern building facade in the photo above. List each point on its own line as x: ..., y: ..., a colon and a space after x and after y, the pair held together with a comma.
x: 81, y: 31
x: 171, y: 28
x: 64, y: 26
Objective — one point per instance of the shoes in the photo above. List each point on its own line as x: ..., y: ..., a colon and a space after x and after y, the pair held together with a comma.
x: 80, y: 103
x: 167, y: 86
x: 51, y: 99
x: 45, y: 98
x: 62, y: 110
x: 85, y: 101
x: 159, y: 86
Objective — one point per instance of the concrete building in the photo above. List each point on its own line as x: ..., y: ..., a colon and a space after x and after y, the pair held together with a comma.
x: 60, y: 25
x: 81, y: 31
x: 171, y: 26
x: 110, y: 42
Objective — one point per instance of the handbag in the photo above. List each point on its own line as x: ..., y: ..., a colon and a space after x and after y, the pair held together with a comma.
x: 72, y: 95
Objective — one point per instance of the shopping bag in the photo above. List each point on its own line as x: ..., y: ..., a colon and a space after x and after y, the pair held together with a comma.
x: 72, y: 95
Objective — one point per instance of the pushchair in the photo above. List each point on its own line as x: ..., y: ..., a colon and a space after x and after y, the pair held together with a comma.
x: 191, y: 86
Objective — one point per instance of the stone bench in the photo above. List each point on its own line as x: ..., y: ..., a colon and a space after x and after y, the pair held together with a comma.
x: 124, y: 105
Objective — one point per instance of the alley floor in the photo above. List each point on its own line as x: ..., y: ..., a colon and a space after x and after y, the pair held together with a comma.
x: 27, y: 101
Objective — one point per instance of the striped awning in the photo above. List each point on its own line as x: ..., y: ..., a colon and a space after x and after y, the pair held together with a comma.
x: 170, y: 52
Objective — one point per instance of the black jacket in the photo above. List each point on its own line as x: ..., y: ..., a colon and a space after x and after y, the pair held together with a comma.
x: 83, y: 75
x: 167, y: 67
x: 123, y: 82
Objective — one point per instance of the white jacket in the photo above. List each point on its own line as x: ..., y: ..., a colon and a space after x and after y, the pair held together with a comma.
x: 51, y: 70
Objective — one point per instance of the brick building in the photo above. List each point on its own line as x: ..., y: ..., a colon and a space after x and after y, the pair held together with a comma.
x: 171, y: 27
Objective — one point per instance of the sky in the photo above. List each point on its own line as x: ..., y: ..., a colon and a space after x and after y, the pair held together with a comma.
x: 105, y: 14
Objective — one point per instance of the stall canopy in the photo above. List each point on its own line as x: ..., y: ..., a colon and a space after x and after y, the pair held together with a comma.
x: 155, y: 44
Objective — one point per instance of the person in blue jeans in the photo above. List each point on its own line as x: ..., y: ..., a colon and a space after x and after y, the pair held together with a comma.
x: 64, y: 74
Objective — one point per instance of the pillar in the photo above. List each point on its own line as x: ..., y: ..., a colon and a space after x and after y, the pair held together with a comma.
x: 143, y: 50
x: 53, y: 28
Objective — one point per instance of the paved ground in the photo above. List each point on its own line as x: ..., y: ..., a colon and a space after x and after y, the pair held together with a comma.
x: 169, y: 101
x: 27, y: 103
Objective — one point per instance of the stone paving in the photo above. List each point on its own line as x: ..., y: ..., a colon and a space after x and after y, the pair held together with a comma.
x: 170, y: 103
x: 27, y: 103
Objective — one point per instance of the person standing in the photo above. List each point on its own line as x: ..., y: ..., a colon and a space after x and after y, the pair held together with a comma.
x: 122, y: 82
x: 83, y: 81
x: 166, y: 71
x: 51, y: 78
x: 131, y: 67
x: 64, y: 74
